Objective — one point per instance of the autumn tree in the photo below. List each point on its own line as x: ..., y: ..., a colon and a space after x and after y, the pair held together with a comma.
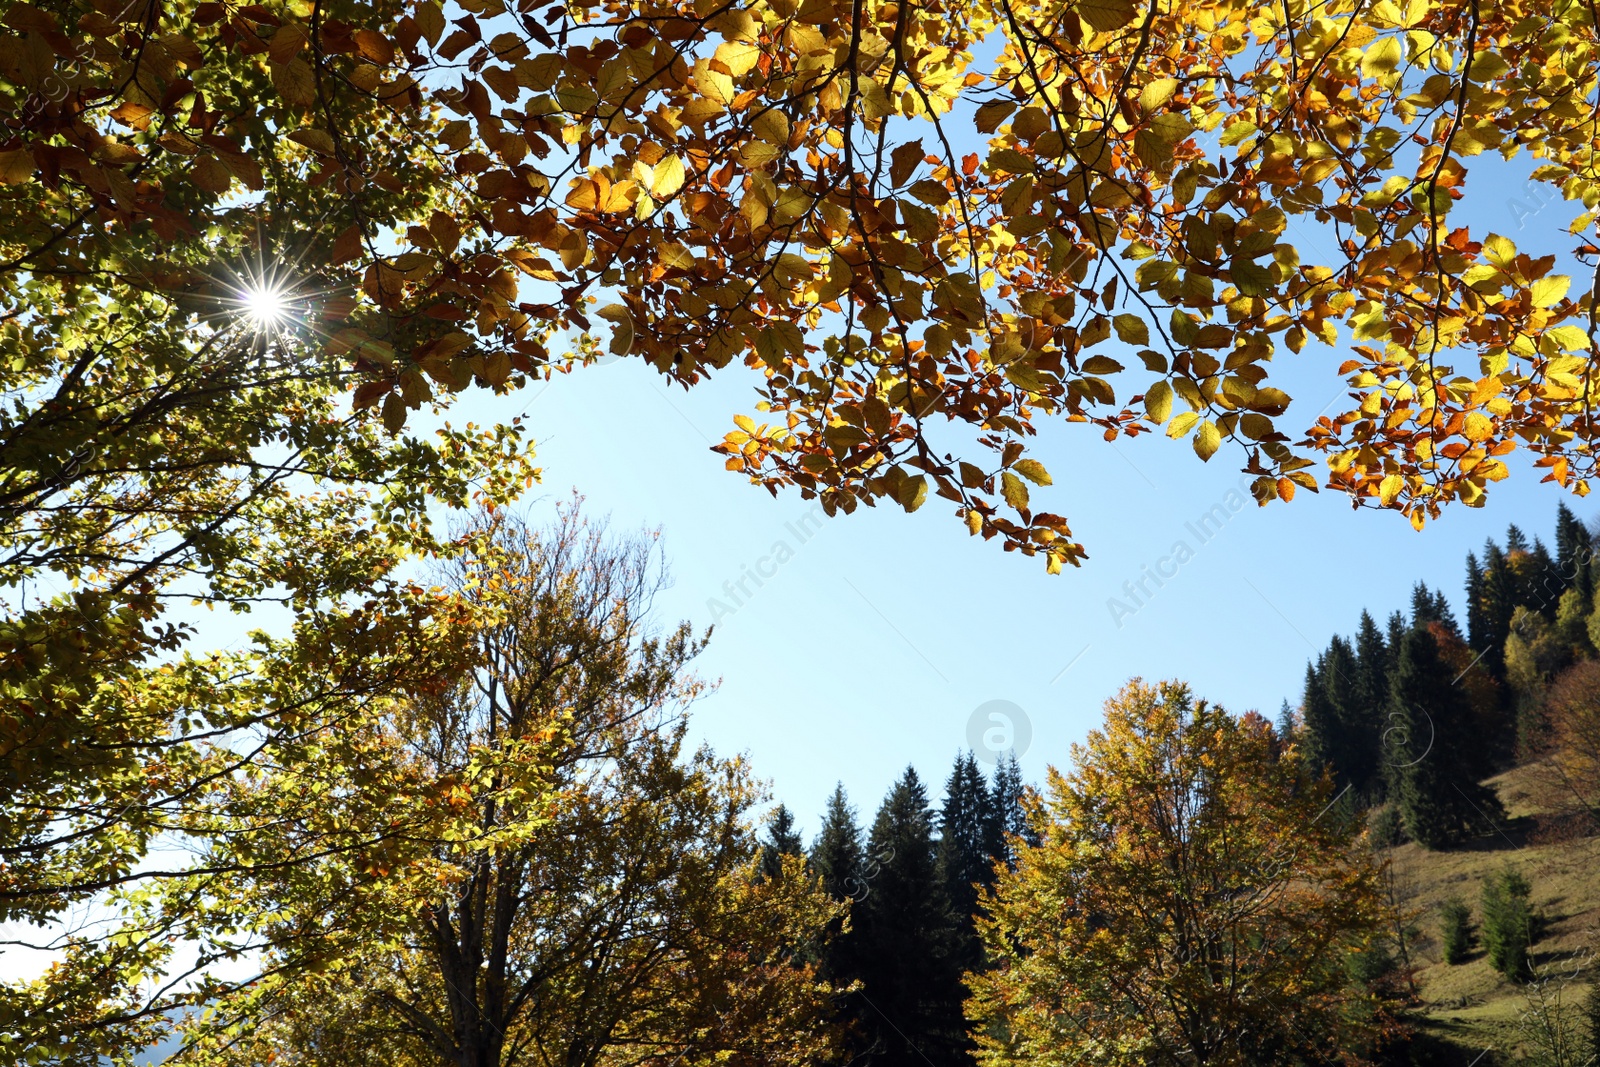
x: 594, y: 899
x: 1191, y: 901
x: 891, y: 224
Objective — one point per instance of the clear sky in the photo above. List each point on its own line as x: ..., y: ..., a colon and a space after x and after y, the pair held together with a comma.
x: 879, y: 634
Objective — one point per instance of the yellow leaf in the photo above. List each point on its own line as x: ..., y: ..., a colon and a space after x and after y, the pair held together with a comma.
x: 1032, y: 470
x: 16, y: 166
x: 1499, y: 250
x: 1105, y: 15
x: 737, y: 56
x: 1208, y: 440
x: 1383, y: 57
x: 669, y: 177
x: 1157, y: 93
x: 1547, y: 292
x: 1182, y: 424
x: 1158, y: 402
x: 1013, y: 490
x: 294, y: 81
x: 1479, y: 427
x: 1389, y: 489
x: 1131, y: 329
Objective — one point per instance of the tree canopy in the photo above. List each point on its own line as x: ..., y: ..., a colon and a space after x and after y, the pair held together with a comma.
x: 897, y: 216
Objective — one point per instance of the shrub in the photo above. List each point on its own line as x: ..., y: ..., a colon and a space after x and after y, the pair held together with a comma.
x: 1455, y: 930
x: 1508, y: 923
x: 1388, y: 829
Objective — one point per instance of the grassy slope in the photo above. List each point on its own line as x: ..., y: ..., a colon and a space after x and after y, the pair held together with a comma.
x: 1469, y: 1001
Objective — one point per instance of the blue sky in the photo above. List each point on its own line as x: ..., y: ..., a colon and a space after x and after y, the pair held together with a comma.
x: 878, y: 634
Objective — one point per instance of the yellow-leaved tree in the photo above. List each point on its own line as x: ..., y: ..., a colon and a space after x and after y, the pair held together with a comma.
x: 1192, y: 900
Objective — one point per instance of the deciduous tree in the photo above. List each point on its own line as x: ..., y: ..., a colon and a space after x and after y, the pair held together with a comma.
x: 1191, y: 901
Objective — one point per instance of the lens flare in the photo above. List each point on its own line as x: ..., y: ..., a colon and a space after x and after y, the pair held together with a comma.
x: 265, y: 306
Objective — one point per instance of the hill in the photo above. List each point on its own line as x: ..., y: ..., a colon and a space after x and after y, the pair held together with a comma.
x: 1470, y: 1003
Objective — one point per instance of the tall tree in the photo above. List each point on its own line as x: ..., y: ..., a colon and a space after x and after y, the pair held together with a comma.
x: 836, y: 856
x: 1189, y: 903
x: 1477, y: 620
x: 782, y: 840
x: 1370, y: 700
x: 1499, y: 604
x: 910, y: 972
x: 1429, y: 748
x: 965, y: 855
x: 593, y: 894
x: 1006, y: 806
x: 836, y: 852
x: 1574, y: 554
x: 1324, y: 738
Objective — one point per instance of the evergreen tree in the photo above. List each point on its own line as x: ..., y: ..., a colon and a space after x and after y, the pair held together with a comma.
x: 782, y: 840
x: 1428, y: 753
x: 1428, y: 606
x: 1508, y: 923
x: 907, y: 941
x: 1353, y: 748
x: 1287, y: 725
x: 1005, y: 809
x: 1365, y: 720
x: 836, y: 856
x: 836, y: 853
x: 1516, y: 540
x: 1476, y: 635
x: 1499, y: 604
x: 965, y: 854
x: 1455, y: 930
x: 1574, y: 554
x: 1391, y: 642
x: 1545, y: 583
x: 1319, y: 719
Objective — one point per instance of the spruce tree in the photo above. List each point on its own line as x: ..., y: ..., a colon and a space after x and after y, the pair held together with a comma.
x: 1008, y: 820
x: 1499, y: 604
x: 965, y: 856
x: 836, y: 852
x: 1476, y: 623
x: 907, y: 941
x: 1287, y: 725
x: 1545, y: 584
x: 1574, y: 554
x: 1319, y: 719
x: 1508, y: 923
x: 782, y: 840
x: 836, y: 857
x: 1427, y: 748
x: 1396, y: 632
x: 1365, y: 719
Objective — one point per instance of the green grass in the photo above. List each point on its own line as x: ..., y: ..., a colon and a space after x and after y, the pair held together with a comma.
x: 1469, y: 1002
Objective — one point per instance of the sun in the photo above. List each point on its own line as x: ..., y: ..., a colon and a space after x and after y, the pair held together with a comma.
x: 264, y: 306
